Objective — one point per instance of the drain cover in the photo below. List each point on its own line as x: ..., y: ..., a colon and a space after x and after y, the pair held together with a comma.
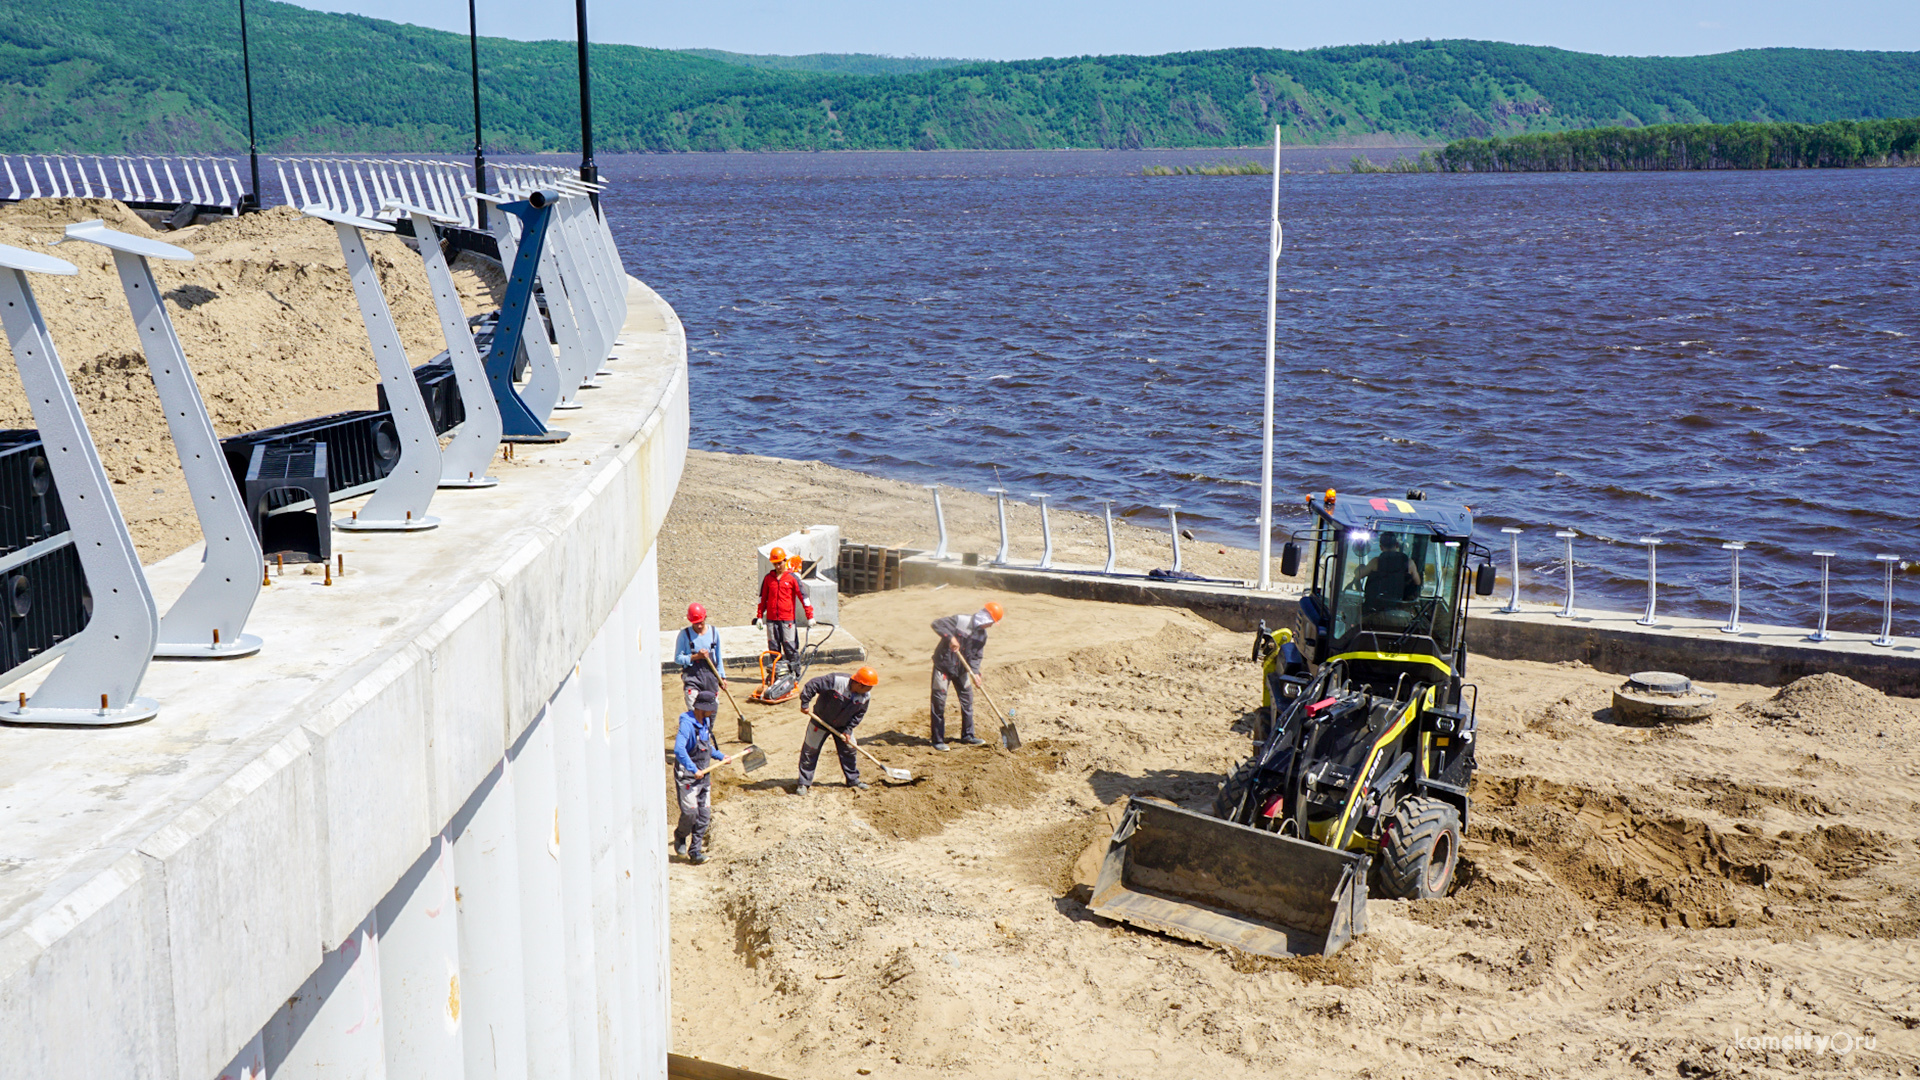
x: 1659, y: 682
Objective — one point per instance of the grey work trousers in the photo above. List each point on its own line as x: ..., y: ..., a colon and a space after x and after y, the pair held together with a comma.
x: 810, y: 756
x: 964, y: 686
x: 696, y: 810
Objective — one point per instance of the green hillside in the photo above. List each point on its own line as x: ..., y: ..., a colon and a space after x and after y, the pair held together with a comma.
x: 832, y: 63
x: 136, y: 75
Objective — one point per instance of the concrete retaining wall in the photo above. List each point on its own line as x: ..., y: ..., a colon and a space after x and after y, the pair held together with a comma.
x: 347, y: 856
x: 1607, y: 640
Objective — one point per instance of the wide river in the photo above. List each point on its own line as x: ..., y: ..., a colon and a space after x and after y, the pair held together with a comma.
x: 1698, y: 357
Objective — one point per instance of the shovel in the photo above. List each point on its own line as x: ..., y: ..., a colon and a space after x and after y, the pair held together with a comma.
x: 893, y: 776
x: 1009, y: 735
x: 745, y: 730
x: 753, y: 758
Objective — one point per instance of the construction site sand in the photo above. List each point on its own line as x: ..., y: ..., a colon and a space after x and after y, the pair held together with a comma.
x: 266, y: 315
x: 1633, y: 901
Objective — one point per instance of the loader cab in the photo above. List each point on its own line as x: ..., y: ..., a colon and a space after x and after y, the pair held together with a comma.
x: 1388, y: 588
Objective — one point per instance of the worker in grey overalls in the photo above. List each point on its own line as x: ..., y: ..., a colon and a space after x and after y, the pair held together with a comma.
x: 695, y: 754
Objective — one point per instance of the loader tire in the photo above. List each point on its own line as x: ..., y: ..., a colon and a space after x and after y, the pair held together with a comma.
x: 1420, y: 850
x: 1230, y: 803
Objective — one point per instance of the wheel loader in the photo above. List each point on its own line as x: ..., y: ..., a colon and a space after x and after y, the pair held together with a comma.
x: 1359, y: 782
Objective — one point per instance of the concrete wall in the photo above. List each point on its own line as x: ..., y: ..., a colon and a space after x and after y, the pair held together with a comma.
x: 1607, y: 640
x: 422, y: 834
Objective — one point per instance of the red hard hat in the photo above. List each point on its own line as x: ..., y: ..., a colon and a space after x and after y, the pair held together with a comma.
x: 696, y: 613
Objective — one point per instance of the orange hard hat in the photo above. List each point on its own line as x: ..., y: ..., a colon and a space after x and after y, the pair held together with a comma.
x: 866, y: 677
x: 994, y: 609
x: 696, y: 613
x: 777, y: 556
x: 793, y: 563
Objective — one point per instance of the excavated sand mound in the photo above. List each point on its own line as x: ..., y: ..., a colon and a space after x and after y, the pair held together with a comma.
x: 267, y: 317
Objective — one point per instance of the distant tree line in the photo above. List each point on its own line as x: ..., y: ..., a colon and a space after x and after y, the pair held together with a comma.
x: 1837, y: 144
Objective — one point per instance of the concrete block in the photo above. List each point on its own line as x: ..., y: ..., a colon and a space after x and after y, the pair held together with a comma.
x: 420, y: 993
x: 242, y: 871
x: 467, y: 722
x: 86, y: 987
x: 374, y: 806
x: 741, y: 647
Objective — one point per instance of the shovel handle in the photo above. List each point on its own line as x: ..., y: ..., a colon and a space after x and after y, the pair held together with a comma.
x: 722, y: 676
x: 843, y: 738
x: 977, y: 681
x: 738, y: 755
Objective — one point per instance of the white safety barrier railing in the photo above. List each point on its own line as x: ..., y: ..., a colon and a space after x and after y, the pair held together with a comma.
x: 204, y: 181
x: 369, y: 187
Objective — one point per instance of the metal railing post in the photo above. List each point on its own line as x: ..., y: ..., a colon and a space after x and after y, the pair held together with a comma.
x: 1820, y: 632
x: 1513, y: 599
x: 939, y: 519
x: 1653, y: 578
x: 1173, y: 525
x: 1108, y: 569
x: 1568, y: 536
x: 1000, y: 496
x: 1733, y: 619
x: 1886, y: 618
x: 1046, y: 532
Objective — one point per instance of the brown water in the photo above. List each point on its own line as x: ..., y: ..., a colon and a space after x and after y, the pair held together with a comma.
x: 1697, y: 357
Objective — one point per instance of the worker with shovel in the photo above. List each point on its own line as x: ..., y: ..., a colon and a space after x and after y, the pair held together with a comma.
x: 840, y: 706
x: 956, y: 662
x: 697, y: 650
x: 695, y: 754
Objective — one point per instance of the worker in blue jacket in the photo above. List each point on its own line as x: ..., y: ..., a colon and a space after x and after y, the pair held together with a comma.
x: 695, y: 754
x: 696, y: 648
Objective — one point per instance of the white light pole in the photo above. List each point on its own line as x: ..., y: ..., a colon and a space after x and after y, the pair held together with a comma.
x: 1266, y: 436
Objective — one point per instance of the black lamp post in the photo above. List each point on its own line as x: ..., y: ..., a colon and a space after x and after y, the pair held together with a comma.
x: 588, y: 170
x: 479, y: 153
x: 246, y: 71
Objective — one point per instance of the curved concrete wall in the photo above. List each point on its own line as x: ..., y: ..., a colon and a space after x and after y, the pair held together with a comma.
x: 422, y: 833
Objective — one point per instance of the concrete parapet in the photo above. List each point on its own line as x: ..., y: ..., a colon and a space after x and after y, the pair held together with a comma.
x: 168, y: 890
x: 1607, y: 640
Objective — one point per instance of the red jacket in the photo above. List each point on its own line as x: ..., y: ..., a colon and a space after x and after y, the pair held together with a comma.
x: 778, y: 592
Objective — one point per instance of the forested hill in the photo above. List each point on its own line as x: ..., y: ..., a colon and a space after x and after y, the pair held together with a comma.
x: 152, y: 75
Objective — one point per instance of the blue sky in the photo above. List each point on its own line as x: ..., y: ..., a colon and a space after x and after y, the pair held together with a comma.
x: 1018, y: 29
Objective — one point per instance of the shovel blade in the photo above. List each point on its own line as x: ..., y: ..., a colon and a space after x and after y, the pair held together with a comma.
x: 756, y: 758
x: 745, y: 731
x: 900, y: 776
x: 1009, y: 736
x: 1203, y: 879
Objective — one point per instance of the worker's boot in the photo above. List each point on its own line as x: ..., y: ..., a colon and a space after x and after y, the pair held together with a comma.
x: 973, y: 740
x: 680, y: 847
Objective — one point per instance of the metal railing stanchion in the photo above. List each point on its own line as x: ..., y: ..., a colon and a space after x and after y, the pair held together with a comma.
x: 1653, y: 579
x: 1820, y: 632
x: 1567, y: 535
x: 1046, y: 532
x: 1886, y: 617
x: 1733, y: 619
x: 1000, y: 496
x: 1173, y: 527
x: 1108, y: 505
x: 1513, y: 600
x: 939, y: 519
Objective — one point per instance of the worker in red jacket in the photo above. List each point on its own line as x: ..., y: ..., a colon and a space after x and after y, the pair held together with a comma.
x: 781, y: 598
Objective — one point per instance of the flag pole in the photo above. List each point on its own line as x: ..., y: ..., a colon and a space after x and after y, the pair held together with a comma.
x: 1266, y: 441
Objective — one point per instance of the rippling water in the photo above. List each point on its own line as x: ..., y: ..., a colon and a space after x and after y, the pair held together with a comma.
x: 1696, y: 357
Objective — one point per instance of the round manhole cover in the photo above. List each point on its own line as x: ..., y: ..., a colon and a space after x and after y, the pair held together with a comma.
x: 1660, y: 682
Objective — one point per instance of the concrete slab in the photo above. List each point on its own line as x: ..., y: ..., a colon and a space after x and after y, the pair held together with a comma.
x: 741, y: 647
x: 1607, y: 640
x: 275, y: 799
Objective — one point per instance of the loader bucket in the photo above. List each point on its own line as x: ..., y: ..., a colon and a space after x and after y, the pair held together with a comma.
x: 1204, y: 879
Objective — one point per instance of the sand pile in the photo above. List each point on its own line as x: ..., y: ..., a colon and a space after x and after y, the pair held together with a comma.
x: 265, y: 313
x: 1833, y: 709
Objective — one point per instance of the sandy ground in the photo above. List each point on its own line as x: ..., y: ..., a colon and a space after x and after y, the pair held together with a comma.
x: 1634, y: 902
x: 265, y: 313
